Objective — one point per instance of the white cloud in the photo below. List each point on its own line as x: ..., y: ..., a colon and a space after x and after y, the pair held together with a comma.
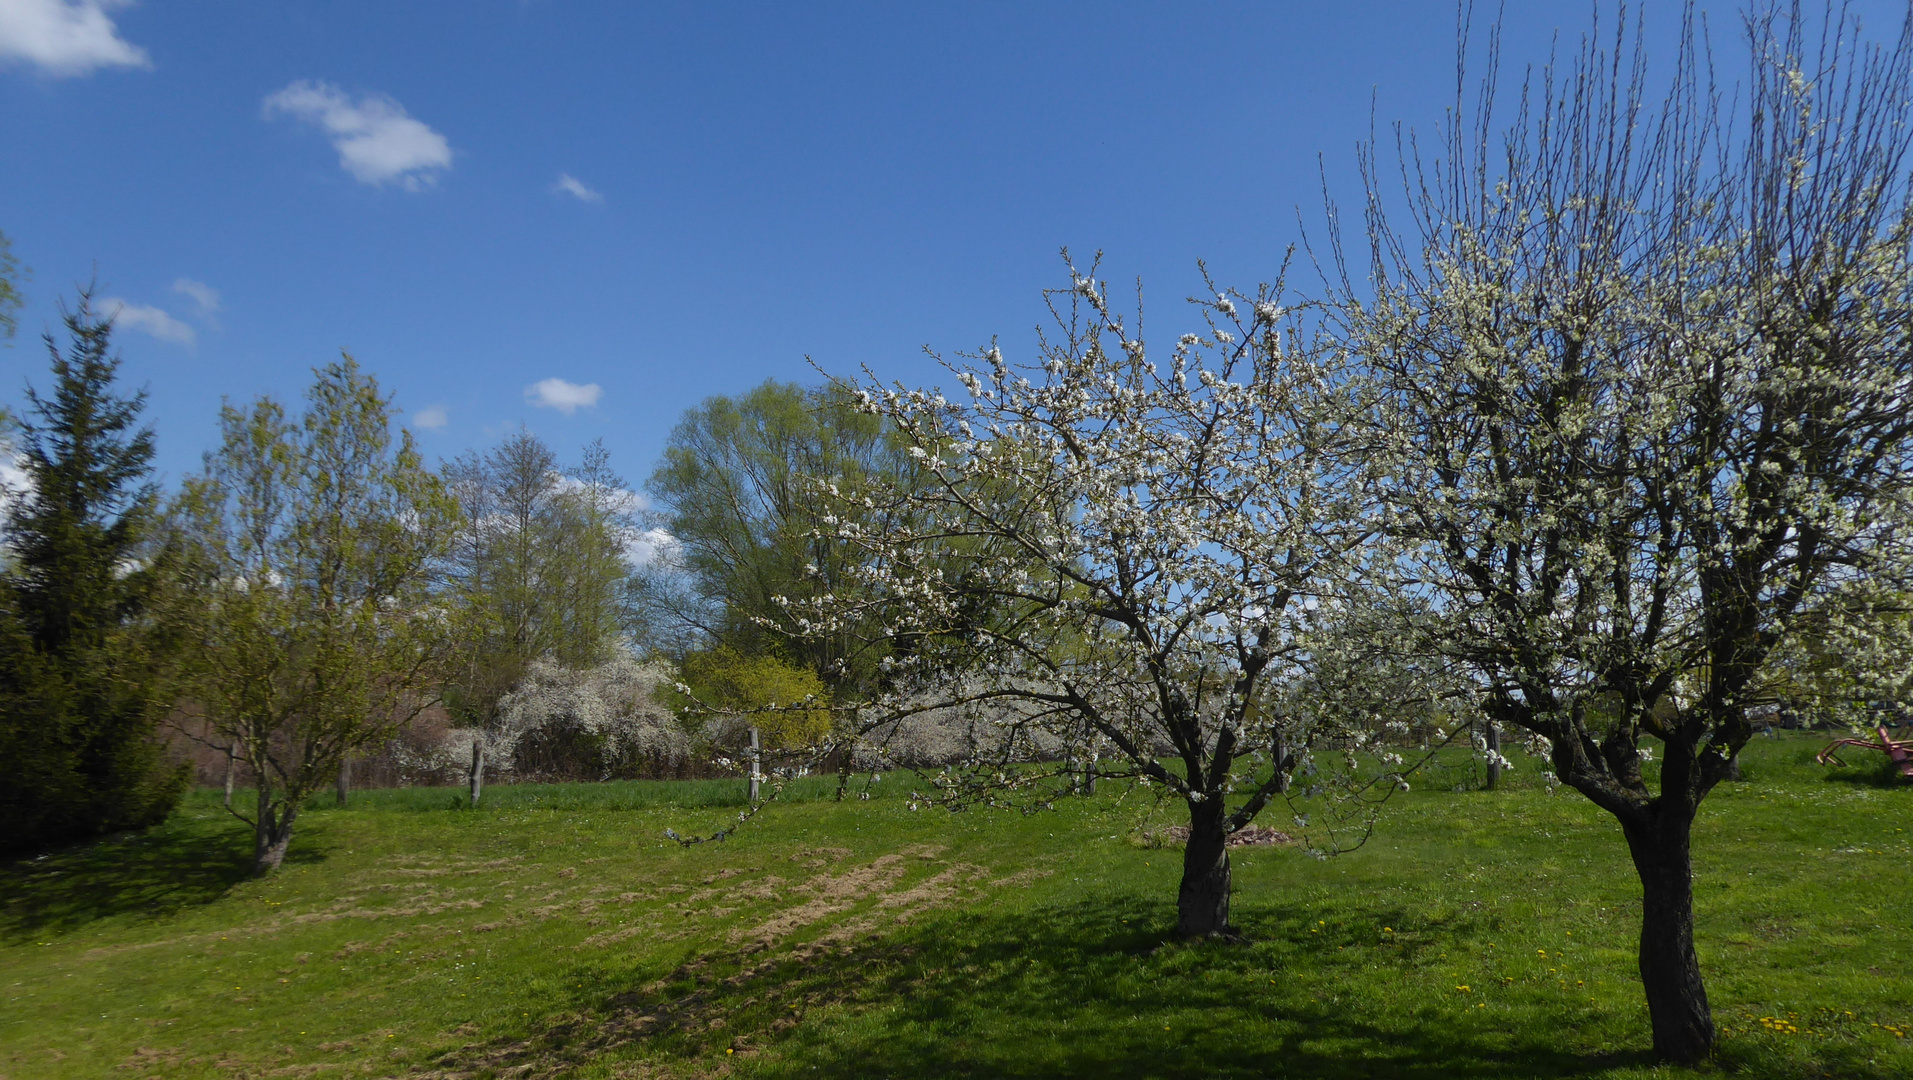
x: 644, y: 547
x: 570, y: 185
x: 377, y: 140
x: 201, y: 293
x: 566, y: 397
x: 145, y: 318
x: 431, y: 419
x: 614, y: 500
x: 66, y: 37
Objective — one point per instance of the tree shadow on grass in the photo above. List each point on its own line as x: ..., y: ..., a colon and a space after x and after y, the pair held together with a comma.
x: 1092, y: 989
x: 1875, y: 770
x: 180, y: 863
x: 1073, y: 991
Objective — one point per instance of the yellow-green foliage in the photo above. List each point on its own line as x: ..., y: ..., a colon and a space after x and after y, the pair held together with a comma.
x: 785, y: 702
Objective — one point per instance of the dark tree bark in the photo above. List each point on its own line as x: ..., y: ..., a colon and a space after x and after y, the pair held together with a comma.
x: 344, y: 781
x: 272, y: 832
x: 1082, y: 774
x: 1202, y: 903
x: 477, y: 776
x: 1670, y: 971
x: 1279, y: 747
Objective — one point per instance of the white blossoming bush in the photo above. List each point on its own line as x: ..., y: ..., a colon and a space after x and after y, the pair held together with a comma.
x: 937, y: 730
x: 590, y: 723
x: 438, y: 756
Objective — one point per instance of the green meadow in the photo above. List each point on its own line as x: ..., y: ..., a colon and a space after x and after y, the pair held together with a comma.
x: 555, y: 931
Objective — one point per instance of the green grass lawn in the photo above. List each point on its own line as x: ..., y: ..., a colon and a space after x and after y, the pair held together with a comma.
x: 555, y: 932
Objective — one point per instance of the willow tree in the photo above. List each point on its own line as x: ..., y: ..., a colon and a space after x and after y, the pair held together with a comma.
x: 1125, y: 553
x: 318, y: 538
x: 737, y: 488
x: 1647, y: 375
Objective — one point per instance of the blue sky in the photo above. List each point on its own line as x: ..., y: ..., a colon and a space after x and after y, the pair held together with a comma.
x: 263, y: 184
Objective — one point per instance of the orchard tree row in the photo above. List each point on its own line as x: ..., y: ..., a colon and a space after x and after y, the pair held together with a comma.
x: 1598, y: 431
x: 317, y: 587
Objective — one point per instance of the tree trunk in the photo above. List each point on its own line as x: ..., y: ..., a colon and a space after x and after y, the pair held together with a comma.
x: 1494, y: 755
x: 478, y: 768
x: 756, y: 756
x: 1279, y: 747
x: 232, y: 766
x: 1082, y: 775
x: 1202, y: 903
x: 1670, y: 972
x: 1733, y: 767
x: 345, y: 780
x: 272, y: 832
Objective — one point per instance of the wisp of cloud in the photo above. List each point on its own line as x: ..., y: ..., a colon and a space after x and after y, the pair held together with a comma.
x: 377, y: 140
x: 566, y: 397
x: 66, y: 37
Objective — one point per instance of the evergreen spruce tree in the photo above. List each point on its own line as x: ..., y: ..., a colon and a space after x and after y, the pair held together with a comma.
x: 83, y: 646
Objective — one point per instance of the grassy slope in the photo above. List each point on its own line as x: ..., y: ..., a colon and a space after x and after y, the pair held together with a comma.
x: 1477, y: 934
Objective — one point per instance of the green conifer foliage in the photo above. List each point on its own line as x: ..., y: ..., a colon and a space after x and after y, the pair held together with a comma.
x: 85, y: 652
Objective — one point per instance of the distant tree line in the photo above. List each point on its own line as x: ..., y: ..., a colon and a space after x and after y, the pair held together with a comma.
x: 294, y: 606
x: 317, y: 589
x: 1598, y: 433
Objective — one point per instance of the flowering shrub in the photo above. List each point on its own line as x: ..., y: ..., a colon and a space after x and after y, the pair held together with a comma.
x: 932, y: 731
x: 577, y: 723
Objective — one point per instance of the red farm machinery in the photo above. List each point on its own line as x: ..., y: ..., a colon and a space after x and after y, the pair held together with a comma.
x: 1899, y: 751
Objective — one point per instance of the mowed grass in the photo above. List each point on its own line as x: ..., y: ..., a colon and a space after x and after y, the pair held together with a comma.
x: 556, y: 932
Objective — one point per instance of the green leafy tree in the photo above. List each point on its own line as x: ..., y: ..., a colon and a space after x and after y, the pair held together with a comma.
x: 786, y: 703
x: 86, y: 644
x: 594, y: 579
x: 10, y: 300
x: 320, y: 633
x: 739, y: 487
x: 537, y: 572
